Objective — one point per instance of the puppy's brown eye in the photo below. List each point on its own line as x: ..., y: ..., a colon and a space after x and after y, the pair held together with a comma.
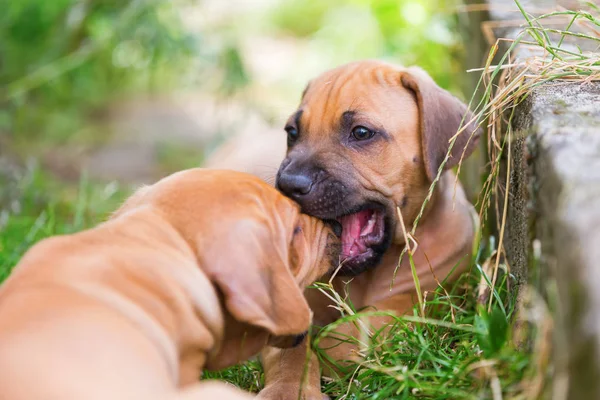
x: 292, y: 134
x: 362, y: 133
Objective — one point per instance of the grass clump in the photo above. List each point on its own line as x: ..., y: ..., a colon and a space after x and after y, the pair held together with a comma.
x: 450, y: 347
x: 454, y: 350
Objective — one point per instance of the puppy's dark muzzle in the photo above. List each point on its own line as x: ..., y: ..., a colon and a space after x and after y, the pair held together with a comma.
x: 286, y: 342
x: 333, y: 250
x: 306, y: 181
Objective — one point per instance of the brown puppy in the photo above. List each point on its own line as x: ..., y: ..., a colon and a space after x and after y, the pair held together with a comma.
x: 200, y: 270
x: 368, y: 139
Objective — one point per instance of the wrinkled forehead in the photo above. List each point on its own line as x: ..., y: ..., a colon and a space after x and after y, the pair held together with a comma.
x: 263, y: 198
x: 350, y: 92
x: 343, y: 87
x: 283, y: 213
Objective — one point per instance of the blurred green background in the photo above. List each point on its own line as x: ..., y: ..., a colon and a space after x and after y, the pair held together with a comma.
x: 69, y: 69
x: 95, y: 92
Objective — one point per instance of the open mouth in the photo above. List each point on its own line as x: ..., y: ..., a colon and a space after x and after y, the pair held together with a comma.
x: 364, y: 239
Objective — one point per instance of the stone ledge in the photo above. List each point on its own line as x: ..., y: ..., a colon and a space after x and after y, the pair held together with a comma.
x: 564, y: 124
x: 554, y: 197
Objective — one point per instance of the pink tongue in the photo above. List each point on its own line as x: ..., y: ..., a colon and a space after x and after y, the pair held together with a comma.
x: 352, y: 229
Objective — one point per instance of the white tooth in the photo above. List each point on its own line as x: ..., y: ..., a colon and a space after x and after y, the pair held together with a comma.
x: 369, y: 226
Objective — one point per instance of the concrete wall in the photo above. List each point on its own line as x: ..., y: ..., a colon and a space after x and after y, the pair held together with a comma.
x: 554, y: 197
x: 564, y: 125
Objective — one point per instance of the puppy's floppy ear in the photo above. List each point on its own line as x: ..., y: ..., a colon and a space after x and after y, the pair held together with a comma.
x: 254, y: 275
x: 440, y: 116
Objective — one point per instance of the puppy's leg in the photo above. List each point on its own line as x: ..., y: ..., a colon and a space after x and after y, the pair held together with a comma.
x: 212, y: 390
x: 291, y: 374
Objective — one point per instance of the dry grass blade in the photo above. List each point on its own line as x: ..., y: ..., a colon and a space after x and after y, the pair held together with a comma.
x: 548, y: 62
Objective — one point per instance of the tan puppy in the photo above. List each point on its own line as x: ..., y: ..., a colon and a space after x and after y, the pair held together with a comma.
x: 198, y: 271
x: 369, y: 138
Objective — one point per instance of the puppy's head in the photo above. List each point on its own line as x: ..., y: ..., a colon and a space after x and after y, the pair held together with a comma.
x: 369, y: 137
x: 254, y: 245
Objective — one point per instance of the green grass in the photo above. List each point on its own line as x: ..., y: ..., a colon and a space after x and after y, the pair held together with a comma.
x: 34, y: 205
x: 466, y: 353
x: 458, y: 354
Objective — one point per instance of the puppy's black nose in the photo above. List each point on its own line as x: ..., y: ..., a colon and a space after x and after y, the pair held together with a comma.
x: 294, y: 185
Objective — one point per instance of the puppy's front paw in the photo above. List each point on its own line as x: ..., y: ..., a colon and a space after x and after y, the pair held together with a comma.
x: 291, y: 392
